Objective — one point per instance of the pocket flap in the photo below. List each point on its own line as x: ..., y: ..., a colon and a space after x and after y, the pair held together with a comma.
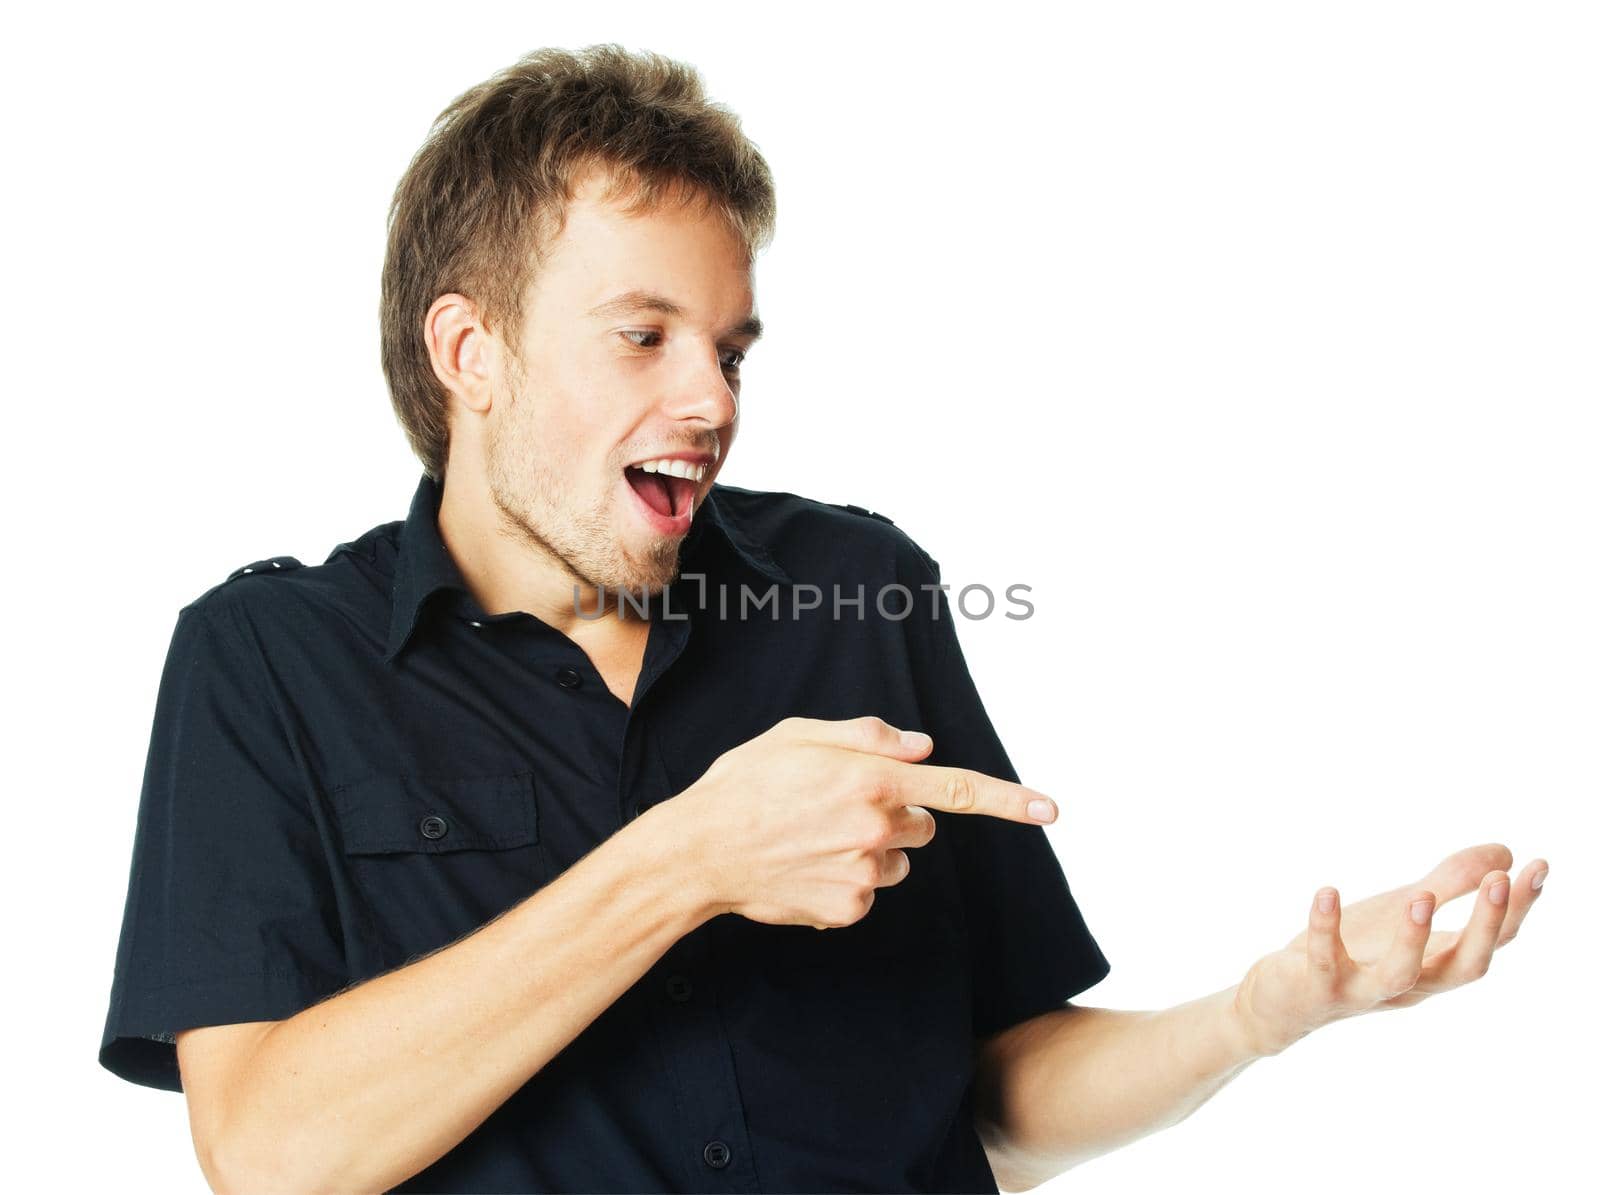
x: 432, y: 814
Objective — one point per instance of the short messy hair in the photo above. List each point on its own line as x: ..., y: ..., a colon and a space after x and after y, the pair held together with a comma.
x: 491, y: 186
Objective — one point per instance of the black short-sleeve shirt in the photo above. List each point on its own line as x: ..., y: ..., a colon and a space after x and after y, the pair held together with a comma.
x: 353, y: 764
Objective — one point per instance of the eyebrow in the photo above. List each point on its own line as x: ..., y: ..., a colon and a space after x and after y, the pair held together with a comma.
x: 643, y: 300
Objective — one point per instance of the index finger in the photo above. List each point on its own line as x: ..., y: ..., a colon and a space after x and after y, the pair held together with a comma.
x: 962, y: 790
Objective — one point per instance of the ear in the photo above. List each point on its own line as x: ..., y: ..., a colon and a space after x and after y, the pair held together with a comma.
x: 462, y: 351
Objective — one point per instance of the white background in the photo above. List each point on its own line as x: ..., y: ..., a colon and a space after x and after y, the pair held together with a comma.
x: 1259, y: 339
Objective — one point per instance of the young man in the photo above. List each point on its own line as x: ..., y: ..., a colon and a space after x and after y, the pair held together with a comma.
x: 492, y: 853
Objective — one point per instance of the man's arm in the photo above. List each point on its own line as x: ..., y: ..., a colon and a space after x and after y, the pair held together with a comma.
x: 1075, y: 1082
x: 1058, y: 1089
x: 375, y: 1083
x: 797, y: 826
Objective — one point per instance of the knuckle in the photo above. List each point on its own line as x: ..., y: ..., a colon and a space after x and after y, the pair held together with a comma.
x: 869, y: 782
x: 852, y: 909
x: 870, y: 874
x: 880, y: 833
x: 960, y: 792
x: 872, y: 728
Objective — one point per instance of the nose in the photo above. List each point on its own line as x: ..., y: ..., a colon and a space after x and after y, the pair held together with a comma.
x: 703, y: 391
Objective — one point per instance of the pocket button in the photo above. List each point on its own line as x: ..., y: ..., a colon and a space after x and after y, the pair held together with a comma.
x: 433, y: 826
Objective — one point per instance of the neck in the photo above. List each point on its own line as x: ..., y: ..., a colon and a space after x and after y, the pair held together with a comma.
x: 507, y: 570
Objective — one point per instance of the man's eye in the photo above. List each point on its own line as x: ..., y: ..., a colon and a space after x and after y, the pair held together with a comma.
x: 738, y: 354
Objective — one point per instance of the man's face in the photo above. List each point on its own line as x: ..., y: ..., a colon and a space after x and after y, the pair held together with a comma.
x: 606, y: 389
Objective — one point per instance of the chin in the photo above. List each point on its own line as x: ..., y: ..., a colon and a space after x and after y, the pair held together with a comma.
x: 653, y: 580
x: 649, y: 569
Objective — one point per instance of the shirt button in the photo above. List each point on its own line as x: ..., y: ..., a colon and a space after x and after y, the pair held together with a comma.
x: 679, y: 988
x: 717, y: 1154
x: 568, y: 678
x: 433, y: 826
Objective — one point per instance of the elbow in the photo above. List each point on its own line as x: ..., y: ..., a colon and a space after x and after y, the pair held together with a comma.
x: 227, y: 1175
x: 1016, y: 1168
x: 1007, y: 1181
x: 1015, y: 1174
x: 1013, y: 1170
x: 249, y: 1172
x: 1012, y: 1174
x: 207, y: 1152
x: 210, y: 1170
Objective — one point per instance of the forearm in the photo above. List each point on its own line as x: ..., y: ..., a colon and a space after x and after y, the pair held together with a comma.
x: 370, y: 1086
x: 1070, y: 1084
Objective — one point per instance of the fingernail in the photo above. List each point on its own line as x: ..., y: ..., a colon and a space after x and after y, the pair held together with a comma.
x: 1538, y: 880
x: 915, y: 740
x: 1325, y: 902
x: 1497, y: 892
x: 1042, y: 809
x: 1420, y: 910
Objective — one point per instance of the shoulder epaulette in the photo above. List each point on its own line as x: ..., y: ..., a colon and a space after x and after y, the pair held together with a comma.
x: 862, y: 510
x: 272, y: 564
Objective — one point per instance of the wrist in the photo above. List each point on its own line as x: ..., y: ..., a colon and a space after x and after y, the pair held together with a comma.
x: 675, y: 852
x: 1247, y: 1037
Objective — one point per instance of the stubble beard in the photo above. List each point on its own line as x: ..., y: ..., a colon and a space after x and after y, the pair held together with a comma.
x: 529, y: 496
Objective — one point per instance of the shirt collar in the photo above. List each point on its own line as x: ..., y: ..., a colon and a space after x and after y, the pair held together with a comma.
x: 423, y: 565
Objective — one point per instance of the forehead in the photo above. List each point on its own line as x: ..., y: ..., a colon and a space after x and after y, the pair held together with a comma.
x: 681, y: 246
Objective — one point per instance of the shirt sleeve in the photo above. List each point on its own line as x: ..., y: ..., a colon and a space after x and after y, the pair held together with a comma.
x: 1031, y: 950
x: 230, y: 914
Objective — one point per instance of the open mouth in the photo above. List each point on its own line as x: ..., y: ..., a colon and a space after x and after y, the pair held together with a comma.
x: 668, y: 494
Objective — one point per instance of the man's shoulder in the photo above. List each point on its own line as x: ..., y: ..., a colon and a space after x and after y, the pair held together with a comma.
x: 813, y: 538
x: 275, y: 584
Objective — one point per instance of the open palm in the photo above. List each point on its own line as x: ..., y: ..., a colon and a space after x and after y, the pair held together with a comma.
x: 1375, y: 954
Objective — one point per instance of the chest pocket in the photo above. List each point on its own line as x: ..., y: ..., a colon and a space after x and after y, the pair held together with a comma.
x: 430, y: 859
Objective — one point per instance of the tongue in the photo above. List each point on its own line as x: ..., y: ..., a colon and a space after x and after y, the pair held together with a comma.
x: 652, y: 487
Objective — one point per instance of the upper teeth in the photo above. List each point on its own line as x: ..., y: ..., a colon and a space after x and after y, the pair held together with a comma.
x: 676, y: 468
